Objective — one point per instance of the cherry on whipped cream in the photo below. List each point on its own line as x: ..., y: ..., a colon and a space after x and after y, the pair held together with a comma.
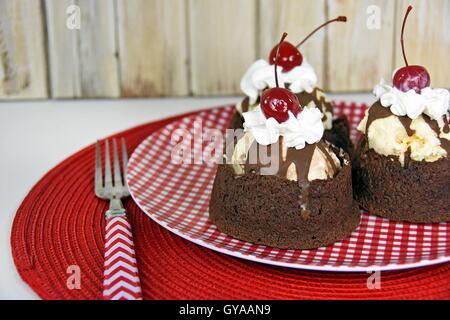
x: 277, y: 102
x: 289, y: 55
x: 410, y: 77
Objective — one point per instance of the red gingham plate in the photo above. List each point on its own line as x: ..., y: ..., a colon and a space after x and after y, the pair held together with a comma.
x: 177, y: 197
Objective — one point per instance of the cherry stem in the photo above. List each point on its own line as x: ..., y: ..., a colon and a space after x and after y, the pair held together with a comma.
x: 403, y: 30
x: 276, y: 57
x: 338, y: 19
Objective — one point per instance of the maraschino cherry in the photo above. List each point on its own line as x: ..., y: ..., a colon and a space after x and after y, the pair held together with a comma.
x: 277, y: 102
x: 410, y: 77
x: 290, y: 56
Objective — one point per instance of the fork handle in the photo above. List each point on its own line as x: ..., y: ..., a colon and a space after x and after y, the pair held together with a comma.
x: 120, y: 277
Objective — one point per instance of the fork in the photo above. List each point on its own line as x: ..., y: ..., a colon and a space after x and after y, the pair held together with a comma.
x: 120, y: 274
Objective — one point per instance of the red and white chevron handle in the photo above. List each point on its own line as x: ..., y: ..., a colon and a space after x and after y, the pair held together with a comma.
x: 121, y: 278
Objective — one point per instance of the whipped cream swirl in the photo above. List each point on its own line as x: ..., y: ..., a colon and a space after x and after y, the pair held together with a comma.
x: 260, y: 75
x: 307, y: 127
x: 432, y: 102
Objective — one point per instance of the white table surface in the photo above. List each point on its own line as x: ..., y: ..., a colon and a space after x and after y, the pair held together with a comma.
x: 36, y: 136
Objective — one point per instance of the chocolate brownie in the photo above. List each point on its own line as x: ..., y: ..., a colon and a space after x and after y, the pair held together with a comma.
x: 416, y: 193
x: 268, y: 210
x: 339, y: 135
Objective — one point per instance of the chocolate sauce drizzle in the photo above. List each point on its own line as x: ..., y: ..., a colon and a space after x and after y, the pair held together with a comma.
x: 377, y: 111
x: 305, y: 98
x: 445, y: 144
x: 245, y: 104
x: 323, y: 147
x: 300, y: 158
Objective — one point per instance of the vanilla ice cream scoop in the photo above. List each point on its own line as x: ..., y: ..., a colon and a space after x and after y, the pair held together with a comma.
x: 410, y: 129
x: 318, y: 160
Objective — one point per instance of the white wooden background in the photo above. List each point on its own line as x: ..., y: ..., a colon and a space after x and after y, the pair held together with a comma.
x: 143, y: 48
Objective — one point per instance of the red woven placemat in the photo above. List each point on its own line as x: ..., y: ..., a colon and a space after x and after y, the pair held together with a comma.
x: 60, y: 224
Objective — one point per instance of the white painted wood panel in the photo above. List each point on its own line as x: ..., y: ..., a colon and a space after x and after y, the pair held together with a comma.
x: 153, y: 47
x: 427, y: 38
x: 23, y: 67
x: 222, y: 44
x: 83, y: 62
x: 359, y: 53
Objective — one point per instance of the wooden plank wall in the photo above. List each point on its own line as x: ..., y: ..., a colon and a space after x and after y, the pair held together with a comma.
x: 153, y: 47
x: 359, y: 55
x: 23, y: 66
x: 82, y: 63
x: 149, y: 48
x: 427, y: 39
x: 222, y: 44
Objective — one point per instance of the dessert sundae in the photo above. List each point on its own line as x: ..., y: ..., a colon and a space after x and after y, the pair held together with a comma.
x: 401, y: 165
x: 296, y: 74
x: 283, y: 184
